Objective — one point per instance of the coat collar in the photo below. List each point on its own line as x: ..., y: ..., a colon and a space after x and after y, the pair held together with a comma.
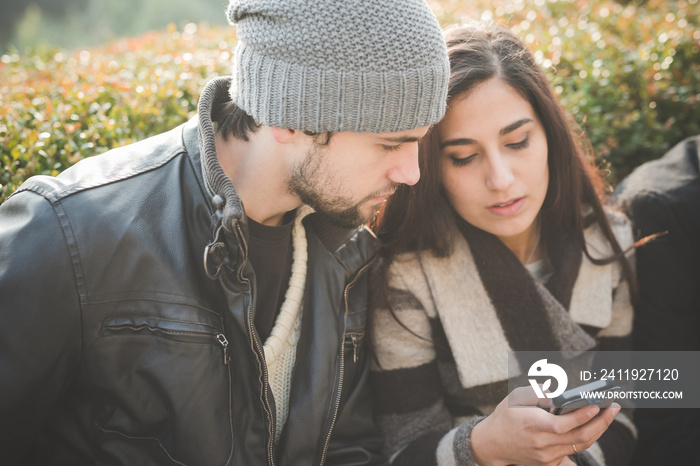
x: 221, y: 190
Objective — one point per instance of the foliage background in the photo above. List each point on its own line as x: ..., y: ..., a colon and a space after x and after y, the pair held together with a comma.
x: 629, y: 74
x: 85, y: 23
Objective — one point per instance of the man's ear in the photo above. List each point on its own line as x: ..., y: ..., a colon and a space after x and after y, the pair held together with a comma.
x: 285, y: 136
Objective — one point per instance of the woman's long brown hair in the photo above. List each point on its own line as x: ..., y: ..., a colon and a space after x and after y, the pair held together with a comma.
x: 416, y: 218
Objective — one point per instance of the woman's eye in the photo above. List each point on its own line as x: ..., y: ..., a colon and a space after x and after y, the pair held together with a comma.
x: 461, y: 161
x: 520, y: 145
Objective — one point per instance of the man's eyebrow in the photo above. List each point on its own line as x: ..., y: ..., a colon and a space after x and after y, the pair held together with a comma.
x: 513, y: 126
x: 399, y: 139
x: 466, y: 141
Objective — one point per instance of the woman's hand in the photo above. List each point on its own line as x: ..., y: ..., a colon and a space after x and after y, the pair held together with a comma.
x: 518, y: 433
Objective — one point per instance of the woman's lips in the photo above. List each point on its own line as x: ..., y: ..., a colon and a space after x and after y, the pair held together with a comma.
x: 507, y: 208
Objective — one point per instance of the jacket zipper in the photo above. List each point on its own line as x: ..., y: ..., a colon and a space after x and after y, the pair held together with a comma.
x: 342, y: 359
x: 353, y: 338
x: 221, y: 338
x: 263, y: 366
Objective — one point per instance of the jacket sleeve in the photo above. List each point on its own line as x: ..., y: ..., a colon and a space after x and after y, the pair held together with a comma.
x: 410, y: 405
x: 39, y: 308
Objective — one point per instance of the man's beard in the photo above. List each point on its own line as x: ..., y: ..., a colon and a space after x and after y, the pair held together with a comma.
x: 314, y: 184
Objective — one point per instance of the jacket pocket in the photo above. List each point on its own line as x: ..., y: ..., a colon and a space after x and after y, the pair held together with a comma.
x: 171, y: 329
x: 166, y: 386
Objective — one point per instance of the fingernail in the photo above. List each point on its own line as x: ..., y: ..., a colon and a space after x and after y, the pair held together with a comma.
x: 615, y: 408
x: 593, y: 410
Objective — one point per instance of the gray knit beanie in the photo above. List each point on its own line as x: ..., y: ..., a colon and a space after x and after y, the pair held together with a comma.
x: 339, y: 65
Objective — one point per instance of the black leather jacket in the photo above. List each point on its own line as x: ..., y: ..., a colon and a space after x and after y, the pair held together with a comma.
x: 663, y: 195
x: 118, y: 347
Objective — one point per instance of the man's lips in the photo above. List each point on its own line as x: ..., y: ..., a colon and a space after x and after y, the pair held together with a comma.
x: 383, y: 197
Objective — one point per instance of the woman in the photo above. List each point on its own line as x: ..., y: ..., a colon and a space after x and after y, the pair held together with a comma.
x: 502, y: 246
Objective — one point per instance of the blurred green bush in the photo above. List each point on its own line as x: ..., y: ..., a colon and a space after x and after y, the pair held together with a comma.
x: 629, y: 74
x: 57, y: 107
x: 628, y: 71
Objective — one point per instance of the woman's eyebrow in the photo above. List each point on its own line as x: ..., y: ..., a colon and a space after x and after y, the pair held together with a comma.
x: 457, y: 142
x: 466, y: 141
x: 513, y: 126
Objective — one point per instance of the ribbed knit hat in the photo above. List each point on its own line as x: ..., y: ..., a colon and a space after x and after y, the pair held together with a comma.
x: 339, y: 65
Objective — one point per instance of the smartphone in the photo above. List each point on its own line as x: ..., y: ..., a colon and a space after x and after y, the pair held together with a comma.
x: 572, y: 399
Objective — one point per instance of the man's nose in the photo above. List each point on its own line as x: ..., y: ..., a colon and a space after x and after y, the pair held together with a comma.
x: 405, y: 169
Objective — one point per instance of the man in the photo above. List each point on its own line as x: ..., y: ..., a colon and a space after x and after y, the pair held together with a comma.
x: 663, y: 197
x: 200, y: 297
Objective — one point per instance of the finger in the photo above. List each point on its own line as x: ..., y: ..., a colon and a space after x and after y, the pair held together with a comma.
x: 525, y: 396
x: 567, y: 452
x: 546, y: 403
x: 554, y: 455
x: 562, y: 460
x: 590, y: 432
x: 575, y: 419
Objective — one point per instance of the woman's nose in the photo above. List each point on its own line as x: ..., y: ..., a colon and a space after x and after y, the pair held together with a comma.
x: 499, y: 176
